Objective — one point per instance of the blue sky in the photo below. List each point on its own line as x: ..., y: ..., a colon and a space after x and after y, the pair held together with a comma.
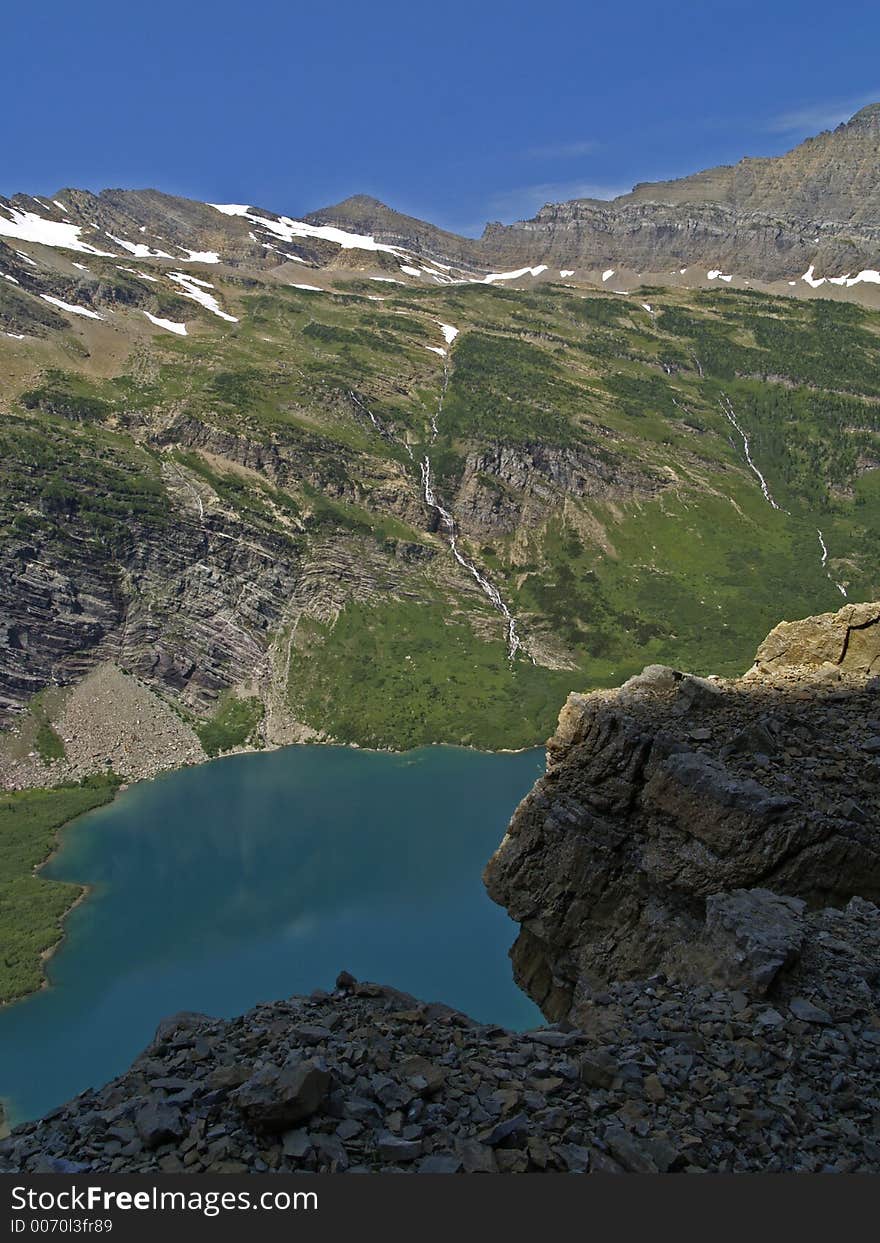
x: 457, y: 112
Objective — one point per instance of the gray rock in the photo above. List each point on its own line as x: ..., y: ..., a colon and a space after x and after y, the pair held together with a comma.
x: 184, y: 1020
x: 440, y: 1163
x: 575, y: 1158
x: 158, y: 1122
x: 309, y: 1034
x: 395, y: 1149
x: 696, y: 693
x: 753, y: 935
x: 296, y: 1143
x: 553, y: 1039
x: 597, y: 1069
x: 510, y: 1131
x: 808, y: 1013
x: 275, y: 1099
x: 476, y: 1158
x: 632, y: 1154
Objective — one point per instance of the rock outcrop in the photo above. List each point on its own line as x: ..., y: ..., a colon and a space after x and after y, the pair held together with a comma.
x: 684, y: 824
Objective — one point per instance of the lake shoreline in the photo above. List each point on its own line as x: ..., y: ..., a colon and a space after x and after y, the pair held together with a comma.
x: 49, y: 951
x: 274, y: 874
x: 111, y: 721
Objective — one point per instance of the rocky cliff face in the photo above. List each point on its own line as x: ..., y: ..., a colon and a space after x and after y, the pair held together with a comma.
x: 684, y: 822
x: 832, y: 176
x: 768, y: 218
x: 658, y: 236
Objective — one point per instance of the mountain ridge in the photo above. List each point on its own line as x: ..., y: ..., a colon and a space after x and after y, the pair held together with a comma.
x: 828, y: 181
x: 813, y: 208
x: 302, y: 482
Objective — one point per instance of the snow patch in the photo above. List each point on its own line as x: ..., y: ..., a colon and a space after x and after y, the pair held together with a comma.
x: 285, y: 254
x: 168, y: 324
x: 868, y: 276
x: 192, y: 287
x: 313, y: 288
x: 139, y: 249
x: 26, y: 226
x: 730, y: 414
x: 607, y: 274
x: 440, y: 277
x: 145, y: 276
x: 512, y: 276
x: 449, y: 333
x: 717, y: 275
x: 193, y: 280
x: 404, y: 267
x: 436, y: 349
x: 840, y: 587
x: 7, y: 277
x: 563, y: 272
x: 288, y: 229
x: 69, y: 306
x: 199, y: 256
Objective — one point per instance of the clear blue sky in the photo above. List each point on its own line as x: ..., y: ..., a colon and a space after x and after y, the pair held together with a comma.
x: 458, y: 112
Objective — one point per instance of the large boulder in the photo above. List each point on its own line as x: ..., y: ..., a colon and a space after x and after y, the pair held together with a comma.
x: 754, y: 934
x: 849, y: 639
x: 276, y: 1098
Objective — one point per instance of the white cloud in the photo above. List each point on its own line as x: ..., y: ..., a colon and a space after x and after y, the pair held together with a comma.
x: 522, y: 201
x: 812, y: 118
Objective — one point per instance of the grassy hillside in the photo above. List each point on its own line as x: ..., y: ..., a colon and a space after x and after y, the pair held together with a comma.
x: 31, y: 908
x: 581, y: 442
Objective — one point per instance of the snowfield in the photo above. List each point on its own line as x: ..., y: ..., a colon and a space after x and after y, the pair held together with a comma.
x: 868, y: 276
x: 26, y: 226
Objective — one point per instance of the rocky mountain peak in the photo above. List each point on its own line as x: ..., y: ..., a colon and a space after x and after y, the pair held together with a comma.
x: 867, y: 117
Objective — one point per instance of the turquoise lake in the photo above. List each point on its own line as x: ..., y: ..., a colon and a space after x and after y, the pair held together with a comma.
x: 258, y: 876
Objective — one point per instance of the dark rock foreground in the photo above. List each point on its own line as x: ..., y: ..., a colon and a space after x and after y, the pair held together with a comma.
x: 662, y: 1077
